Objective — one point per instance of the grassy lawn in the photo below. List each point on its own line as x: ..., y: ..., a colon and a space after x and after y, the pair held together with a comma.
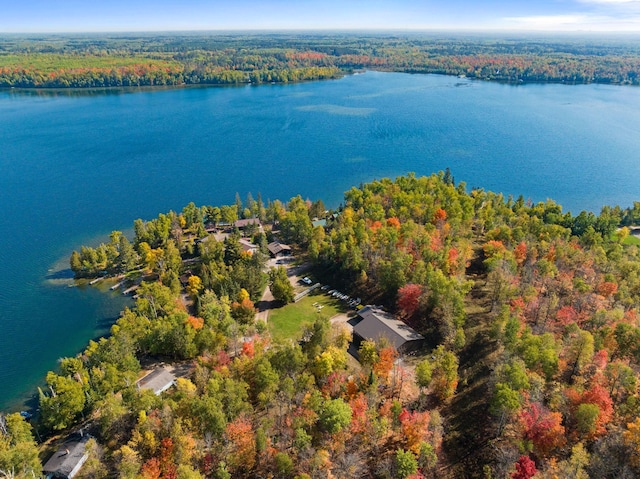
x: 629, y: 240
x: 288, y: 322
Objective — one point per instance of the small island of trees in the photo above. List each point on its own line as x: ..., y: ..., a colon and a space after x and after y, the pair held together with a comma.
x: 529, y: 366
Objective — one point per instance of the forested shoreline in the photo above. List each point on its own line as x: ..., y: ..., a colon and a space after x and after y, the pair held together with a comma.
x: 530, y: 366
x: 76, y: 61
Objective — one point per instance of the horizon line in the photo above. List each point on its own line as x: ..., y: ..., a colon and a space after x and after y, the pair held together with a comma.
x: 386, y: 30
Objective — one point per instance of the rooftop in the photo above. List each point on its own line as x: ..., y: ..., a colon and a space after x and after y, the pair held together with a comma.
x: 67, y: 460
x: 246, y: 222
x: 159, y: 380
x: 377, y: 323
x: 276, y: 247
x: 247, y: 245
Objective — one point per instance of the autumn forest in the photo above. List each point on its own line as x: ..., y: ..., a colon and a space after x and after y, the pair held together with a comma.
x: 56, y: 61
x: 529, y: 368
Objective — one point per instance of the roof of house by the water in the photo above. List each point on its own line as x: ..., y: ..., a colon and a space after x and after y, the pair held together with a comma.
x: 158, y: 380
x: 67, y: 460
x: 377, y: 323
x: 246, y: 222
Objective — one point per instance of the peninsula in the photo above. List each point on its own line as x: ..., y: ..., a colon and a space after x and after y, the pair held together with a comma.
x: 420, y: 330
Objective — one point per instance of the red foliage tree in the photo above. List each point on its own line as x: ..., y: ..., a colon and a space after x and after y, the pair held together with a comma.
x: 222, y: 360
x: 167, y: 465
x: 409, y: 299
x: 335, y: 384
x: 600, y: 359
x: 543, y: 428
x: 597, y: 395
x: 517, y: 305
x: 375, y: 226
x: 607, y: 289
x: 525, y: 468
x: 566, y: 315
x: 551, y: 254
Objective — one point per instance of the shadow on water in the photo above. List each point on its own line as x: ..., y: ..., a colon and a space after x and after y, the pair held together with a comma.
x: 104, y: 324
x: 70, y: 92
x: 61, y: 274
x: 104, y: 91
x: 31, y: 404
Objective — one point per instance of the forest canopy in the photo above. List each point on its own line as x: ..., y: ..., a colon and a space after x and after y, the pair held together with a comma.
x: 57, y: 61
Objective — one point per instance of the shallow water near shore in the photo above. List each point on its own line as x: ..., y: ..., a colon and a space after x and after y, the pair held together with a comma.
x: 76, y: 167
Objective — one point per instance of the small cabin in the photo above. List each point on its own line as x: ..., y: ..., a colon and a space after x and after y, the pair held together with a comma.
x: 277, y: 249
x: 67, y: 461
x: 158, y: 381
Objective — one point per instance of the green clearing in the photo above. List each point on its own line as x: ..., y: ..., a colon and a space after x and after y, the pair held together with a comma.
x: 50, y: 62
x: 631, y: 240
x: 289, y: 321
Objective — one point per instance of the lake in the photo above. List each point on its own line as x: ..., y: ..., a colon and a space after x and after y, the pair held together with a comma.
x: 76, y: 166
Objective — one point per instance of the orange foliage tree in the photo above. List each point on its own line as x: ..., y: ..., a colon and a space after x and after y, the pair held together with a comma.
x: 415, y: 428
x: 384, y: 365
x: 241, y: 444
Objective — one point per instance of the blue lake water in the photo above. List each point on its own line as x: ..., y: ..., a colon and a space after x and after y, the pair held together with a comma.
x: 75, y: 167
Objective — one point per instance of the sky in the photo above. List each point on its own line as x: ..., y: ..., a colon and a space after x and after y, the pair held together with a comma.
x: 45, y: 16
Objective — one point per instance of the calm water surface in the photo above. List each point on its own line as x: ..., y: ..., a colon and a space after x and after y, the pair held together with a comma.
x: 74, y: 168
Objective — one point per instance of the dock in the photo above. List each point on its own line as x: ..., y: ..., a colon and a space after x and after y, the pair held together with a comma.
x: 94, y: 281
x: 131, y: 289
x: 116, y: 286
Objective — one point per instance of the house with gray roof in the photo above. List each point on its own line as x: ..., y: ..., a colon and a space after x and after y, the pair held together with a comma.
x: 377, y: 324
x: 158, y: 381
x: 67, y: 461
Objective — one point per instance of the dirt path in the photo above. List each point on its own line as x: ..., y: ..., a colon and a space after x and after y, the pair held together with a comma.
x: 266, y: 303
x: 469, y: 424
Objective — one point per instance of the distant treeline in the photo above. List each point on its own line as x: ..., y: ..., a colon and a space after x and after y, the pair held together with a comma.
x: 148, y: 60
